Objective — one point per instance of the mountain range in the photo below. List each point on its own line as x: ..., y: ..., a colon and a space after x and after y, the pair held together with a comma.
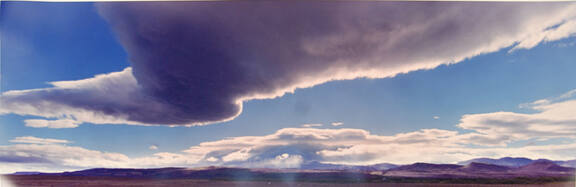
x: 516, y: 161
x: 538, y: 168
x: 323, y: 166
x: 316, y: 171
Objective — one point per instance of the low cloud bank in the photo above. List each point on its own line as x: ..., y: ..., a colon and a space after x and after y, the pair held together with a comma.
x: 493, y: 135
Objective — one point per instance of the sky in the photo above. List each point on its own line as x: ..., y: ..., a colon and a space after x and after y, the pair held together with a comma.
x: 270, y: 84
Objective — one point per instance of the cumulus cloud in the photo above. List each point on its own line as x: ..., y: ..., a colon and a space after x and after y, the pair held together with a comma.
x: 196, y: 62
x: 153, y: 147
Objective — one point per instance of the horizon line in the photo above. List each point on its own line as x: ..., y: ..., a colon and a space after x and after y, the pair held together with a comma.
x: 94, y: 1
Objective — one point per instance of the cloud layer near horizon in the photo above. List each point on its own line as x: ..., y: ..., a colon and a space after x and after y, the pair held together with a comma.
x: 196, y: 62
x: 493, y: 135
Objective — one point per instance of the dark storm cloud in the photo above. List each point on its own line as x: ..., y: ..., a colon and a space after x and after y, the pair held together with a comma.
x: 196, y: 62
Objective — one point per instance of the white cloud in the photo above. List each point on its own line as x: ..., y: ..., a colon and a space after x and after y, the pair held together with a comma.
x: 492, y: 135
x: 54, y: 124
x: 308, y: 125
x: 284, y: 161
x: 566, y: 96
x: 356, y: 146
x: 336, y: 124
x: 563, y: 30
x: 35, y: 140
x: 153, y: 147
x: 551, y: 120
x: 436, y: 117
x: 287, y: 148
x: 57, y: 157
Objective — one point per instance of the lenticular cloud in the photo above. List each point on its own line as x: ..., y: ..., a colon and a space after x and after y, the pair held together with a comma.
x: 196, y: 62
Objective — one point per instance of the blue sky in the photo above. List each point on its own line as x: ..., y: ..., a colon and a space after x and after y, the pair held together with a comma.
x: 46, y: 42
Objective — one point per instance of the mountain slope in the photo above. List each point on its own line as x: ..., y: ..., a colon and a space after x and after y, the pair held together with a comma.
x: 544, y: 167
x: 515, y: 161
x: 540, y: 168
x: 506, y: 161
x: 323, y: 166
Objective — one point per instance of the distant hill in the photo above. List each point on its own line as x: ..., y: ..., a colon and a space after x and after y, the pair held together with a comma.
x: 425, y: 167
x: 544, y: 167
x: 322, y: 166
x: 481, y: 167
x: 539, y: 168
x: 506, y: 161
x: 506, y: 170
x: 515, y: 161
x: 223, y: 173
x: 27, y: 173
x: 567, y: 163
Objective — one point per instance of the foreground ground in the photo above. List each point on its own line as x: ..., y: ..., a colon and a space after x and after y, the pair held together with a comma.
x: 59, y: 181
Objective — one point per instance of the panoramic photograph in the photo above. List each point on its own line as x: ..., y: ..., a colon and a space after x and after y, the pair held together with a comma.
x: 287, y: 93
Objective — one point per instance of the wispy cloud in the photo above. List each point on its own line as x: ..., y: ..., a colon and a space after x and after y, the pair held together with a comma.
x: 308, y: 125
x: 54, y: 124
x: 554, y: 119
x: 566, y: 96
x: 35, y: 140
x: 562, y: 30
x: 336, y: 124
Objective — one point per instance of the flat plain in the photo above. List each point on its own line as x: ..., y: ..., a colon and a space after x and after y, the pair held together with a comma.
x: 73, y: 181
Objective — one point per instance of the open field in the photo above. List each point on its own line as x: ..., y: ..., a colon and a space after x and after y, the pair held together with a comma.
x: 71, y: 181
